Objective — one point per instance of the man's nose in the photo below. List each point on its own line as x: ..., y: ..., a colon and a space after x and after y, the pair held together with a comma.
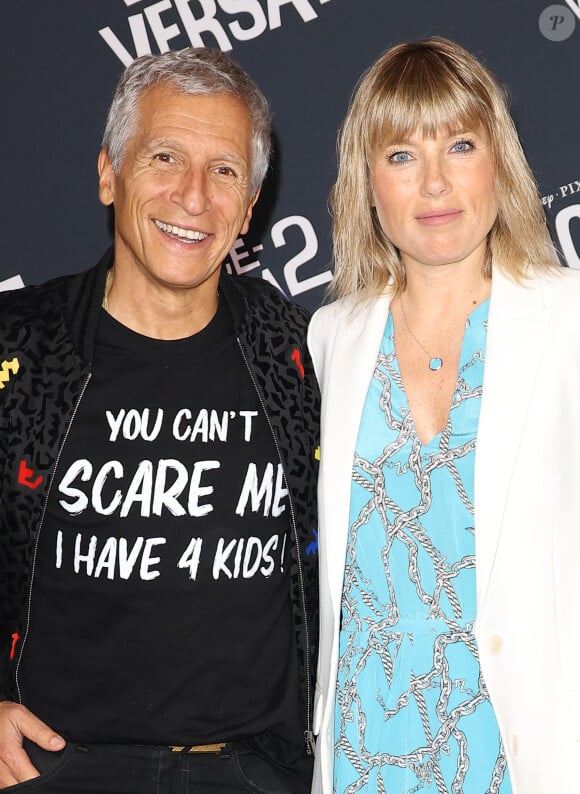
x: 192, y: 191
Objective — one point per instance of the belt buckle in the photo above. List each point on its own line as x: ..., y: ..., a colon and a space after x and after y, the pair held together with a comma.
x: 198, y: 748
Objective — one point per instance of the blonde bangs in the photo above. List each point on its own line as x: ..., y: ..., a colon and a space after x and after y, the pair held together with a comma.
x: 423, y: 96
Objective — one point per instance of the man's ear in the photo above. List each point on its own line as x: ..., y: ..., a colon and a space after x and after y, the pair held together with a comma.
x: 247, y: 219
x: 106, y: 178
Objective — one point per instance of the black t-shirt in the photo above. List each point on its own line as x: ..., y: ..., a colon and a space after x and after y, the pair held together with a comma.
x: 161, y: 601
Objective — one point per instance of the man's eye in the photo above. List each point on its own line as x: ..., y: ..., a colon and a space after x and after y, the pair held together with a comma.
x: 225, y: 170
x: 164, y: 157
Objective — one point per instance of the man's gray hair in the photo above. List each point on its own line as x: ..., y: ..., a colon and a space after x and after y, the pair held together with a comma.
x: 194, y: 70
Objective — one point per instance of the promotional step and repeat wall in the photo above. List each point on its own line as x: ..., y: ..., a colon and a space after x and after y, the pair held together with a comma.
x: 61, y: 60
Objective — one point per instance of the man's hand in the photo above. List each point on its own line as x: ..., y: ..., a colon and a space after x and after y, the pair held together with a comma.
x: 17, y: 723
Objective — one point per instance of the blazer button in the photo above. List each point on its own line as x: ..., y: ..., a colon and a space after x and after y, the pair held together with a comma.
x: 495, y: 645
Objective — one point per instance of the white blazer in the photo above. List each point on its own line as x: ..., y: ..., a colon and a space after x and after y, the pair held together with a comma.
x: 527, y: 516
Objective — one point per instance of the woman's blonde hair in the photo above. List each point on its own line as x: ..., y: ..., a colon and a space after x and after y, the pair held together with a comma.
x: 429, y: 85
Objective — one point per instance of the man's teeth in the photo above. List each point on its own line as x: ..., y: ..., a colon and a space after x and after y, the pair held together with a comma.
x: 186, y: 234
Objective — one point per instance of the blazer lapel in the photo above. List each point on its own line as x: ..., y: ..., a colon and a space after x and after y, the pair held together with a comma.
x: 349, y: 373
x: 516, y: 336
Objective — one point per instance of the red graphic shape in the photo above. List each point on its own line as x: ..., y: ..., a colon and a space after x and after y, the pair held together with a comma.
x: 15, y: 638
x: 26, y: 474
x: 296, y: 357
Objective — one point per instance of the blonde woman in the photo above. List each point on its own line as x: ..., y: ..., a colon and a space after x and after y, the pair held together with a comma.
x: 449, y: 498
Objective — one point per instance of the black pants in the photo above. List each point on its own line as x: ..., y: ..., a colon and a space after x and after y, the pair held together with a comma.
x: 128, y: 769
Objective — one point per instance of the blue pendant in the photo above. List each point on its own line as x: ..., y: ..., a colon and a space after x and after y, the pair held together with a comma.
x: 435, y: 364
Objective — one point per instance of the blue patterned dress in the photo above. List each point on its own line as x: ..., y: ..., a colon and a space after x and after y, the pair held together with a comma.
x: 412, y: 710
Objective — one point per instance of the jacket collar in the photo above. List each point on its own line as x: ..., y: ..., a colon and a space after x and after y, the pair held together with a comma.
x: 348, y: 372
x: 518, y: 325
x: 83, y: 305
x: 85, y: 296
x: 234, y: 298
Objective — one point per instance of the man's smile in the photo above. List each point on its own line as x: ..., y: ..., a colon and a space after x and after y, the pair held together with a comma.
x: 179, y: 233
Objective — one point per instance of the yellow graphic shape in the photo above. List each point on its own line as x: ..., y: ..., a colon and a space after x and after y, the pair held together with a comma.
x: 8, y: 368
x: 317, y: 453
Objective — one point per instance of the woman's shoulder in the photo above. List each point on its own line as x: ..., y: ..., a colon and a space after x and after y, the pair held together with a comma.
x: 558, y: 291
x: 345, y: 312
x: 348, y: 321
x: 561, y: 286
x: 337, y: 310
x: 555, y: 286
x: 322, y: 330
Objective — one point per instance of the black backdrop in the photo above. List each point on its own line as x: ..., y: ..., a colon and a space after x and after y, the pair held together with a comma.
x: 61, y: 59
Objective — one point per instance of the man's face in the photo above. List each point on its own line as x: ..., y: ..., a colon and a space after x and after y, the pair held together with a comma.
x: 182, y: 195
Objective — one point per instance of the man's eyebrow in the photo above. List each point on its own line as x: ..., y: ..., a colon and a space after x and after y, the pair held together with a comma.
x: 231, y: 156
x: 160, y: 143
x: 170, y: 143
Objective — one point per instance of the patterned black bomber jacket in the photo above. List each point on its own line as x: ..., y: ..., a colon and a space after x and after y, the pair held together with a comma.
x: 46, y: 347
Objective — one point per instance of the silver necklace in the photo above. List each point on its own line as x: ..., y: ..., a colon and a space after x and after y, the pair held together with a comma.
x: 435, y: 362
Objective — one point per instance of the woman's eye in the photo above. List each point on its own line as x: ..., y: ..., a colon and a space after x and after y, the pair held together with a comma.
x: 399, y: 157
x: 462, y: 146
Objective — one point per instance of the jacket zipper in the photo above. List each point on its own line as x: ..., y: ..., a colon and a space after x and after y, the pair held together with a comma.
x: 40, y: 524
x: 308, y: 735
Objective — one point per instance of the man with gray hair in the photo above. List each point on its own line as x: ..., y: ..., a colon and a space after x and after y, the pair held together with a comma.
x: 158, y: 433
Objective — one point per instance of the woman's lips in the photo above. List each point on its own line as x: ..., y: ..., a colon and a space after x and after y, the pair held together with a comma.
x: 438, y: 217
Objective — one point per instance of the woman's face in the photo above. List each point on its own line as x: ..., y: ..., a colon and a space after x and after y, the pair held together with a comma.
x: 435, y: 197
